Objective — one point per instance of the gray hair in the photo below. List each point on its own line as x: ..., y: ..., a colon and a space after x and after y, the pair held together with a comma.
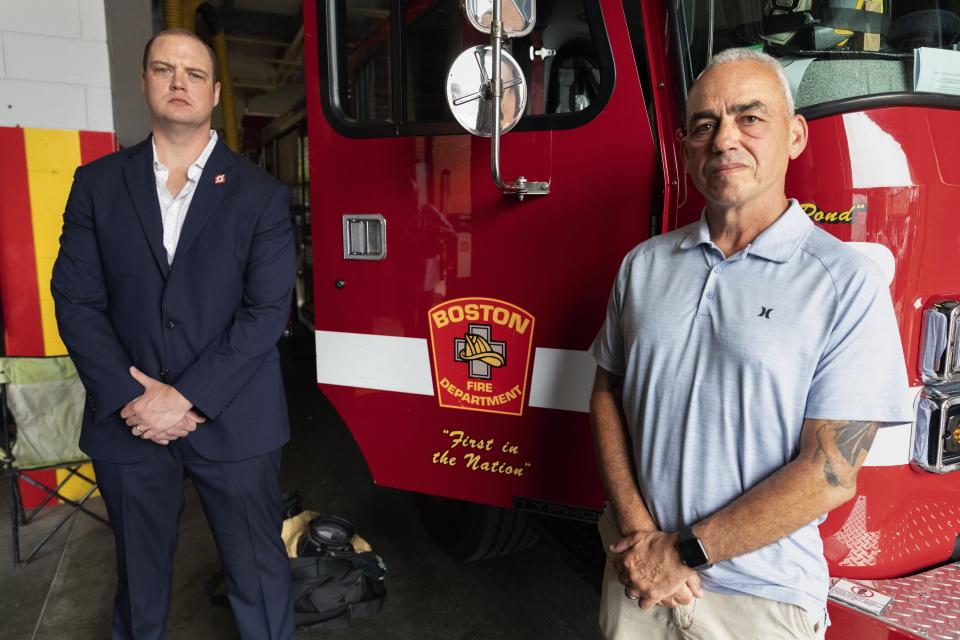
x: 742, y: 54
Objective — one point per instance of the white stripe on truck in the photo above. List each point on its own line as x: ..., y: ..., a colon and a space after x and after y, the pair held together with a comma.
x: 562, y: 379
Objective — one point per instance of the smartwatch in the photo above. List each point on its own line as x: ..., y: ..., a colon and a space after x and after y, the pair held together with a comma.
x: 691, y: 551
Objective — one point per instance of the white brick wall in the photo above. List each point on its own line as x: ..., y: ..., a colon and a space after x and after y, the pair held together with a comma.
x: 99, y: 109
x: 44, y: 17
x: 54, y: 65
x: 45, y: 105
x: 93, y: 23
x: 60, y: 60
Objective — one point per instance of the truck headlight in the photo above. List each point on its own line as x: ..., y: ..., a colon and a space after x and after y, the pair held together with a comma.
x: 940, y: 343
x: 936, y: 442
x: 951, y: 439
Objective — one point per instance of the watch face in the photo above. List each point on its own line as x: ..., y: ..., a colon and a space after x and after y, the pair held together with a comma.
x: 692, y: 553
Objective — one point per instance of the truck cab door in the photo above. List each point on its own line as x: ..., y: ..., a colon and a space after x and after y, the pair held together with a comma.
x: 453, y: 321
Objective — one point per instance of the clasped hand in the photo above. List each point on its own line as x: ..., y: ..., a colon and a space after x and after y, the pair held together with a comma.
x: 161, y: 414
x: 650, y: 569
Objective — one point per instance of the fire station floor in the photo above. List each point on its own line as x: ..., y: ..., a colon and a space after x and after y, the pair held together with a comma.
x: 66, y: 591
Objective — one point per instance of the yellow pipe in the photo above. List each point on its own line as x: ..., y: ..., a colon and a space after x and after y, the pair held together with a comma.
x: 189, y: 8
x: 231, y: 131
x: 173, y: 14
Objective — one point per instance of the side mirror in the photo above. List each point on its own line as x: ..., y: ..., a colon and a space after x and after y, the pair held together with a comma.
x: 469, y: 95
x: 486, y: 90
x: 518, y: 16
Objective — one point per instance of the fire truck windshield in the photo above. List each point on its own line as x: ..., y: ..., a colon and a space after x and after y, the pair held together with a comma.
x: 834, y: 50
x: 391, y: 61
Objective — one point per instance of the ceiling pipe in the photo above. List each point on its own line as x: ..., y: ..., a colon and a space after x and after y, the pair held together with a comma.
x: 173, y: 14
x: 189, y: 13
x: 293, y: 53
x: 214, y: 23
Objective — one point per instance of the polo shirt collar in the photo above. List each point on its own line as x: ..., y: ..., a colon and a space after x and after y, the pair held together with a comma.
x: 777, y: 243
x: 698, y: 235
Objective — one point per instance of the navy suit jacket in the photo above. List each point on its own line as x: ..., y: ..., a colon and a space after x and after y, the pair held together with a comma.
x: 208, y: 324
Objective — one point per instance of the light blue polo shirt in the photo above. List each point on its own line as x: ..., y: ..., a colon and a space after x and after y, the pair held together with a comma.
x: 722, y: 360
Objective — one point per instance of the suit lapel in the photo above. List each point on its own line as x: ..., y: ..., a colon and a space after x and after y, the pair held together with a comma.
x: 214, y: 182
x: 142, y: 186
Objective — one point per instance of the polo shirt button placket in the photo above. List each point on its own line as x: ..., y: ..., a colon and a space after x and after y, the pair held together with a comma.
x: 709, y: 290
x: 711, y: 294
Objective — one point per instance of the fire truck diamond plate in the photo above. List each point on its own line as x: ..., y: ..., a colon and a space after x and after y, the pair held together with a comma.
x: 927, y: 605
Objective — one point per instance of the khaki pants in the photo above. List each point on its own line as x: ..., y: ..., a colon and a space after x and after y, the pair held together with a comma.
x: 715, y: 616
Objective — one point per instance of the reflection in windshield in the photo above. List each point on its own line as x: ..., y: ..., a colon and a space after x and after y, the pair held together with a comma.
x: 517, y: 15
x: 832, y: 49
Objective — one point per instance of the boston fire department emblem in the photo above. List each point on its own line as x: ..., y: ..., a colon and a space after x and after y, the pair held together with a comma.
x: 481, y: 349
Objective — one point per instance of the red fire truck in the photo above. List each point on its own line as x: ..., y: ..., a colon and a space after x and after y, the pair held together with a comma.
x: 457, y: 279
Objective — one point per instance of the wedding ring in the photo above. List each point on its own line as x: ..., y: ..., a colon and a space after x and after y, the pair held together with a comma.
x: 627, y: 593
x: 137, y: 430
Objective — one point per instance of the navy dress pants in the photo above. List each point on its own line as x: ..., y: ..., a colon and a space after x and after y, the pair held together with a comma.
x: 242, y: 503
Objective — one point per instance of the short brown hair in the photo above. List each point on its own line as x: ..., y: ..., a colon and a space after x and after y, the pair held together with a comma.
x: 189, y: 34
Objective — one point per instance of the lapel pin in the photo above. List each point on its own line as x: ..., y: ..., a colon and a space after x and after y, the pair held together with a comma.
x: 220, y: 179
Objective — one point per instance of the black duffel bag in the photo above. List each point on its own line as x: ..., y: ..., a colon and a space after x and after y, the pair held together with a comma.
x: 336, y: 578
x: 333, y: 590
x: 336, y: 575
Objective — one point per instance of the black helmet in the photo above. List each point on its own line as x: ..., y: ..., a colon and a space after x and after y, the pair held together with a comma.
x: 924, y: 23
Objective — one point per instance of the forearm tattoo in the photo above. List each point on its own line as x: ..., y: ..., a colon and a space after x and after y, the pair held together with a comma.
x: 842, y: 446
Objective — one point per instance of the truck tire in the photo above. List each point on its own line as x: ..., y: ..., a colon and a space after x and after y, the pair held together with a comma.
x: 469, y: 531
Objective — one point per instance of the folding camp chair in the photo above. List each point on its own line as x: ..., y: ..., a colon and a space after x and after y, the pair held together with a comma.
x: 41, y: 401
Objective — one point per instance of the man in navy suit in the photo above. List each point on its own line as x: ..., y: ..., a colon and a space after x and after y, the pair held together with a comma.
x: 172, y: 287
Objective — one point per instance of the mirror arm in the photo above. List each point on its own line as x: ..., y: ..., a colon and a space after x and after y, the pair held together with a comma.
x: 496, y: 88
x: 521, y: 187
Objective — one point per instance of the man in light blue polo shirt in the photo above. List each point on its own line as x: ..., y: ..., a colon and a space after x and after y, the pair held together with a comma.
x: 729, y: 409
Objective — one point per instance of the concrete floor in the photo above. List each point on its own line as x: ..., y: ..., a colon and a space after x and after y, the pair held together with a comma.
x: 65, y: 593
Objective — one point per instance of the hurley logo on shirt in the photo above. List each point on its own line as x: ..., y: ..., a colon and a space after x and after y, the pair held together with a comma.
x: 765, y: 312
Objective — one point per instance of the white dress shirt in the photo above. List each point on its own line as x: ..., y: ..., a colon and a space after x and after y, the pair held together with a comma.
x: 173, y: 209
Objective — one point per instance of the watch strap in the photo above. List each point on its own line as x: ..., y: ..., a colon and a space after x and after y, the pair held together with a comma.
x: 687, y: 538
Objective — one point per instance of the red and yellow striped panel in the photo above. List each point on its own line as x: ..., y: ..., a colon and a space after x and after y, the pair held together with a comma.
x: 23, y: 334
x: 36, y: 173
